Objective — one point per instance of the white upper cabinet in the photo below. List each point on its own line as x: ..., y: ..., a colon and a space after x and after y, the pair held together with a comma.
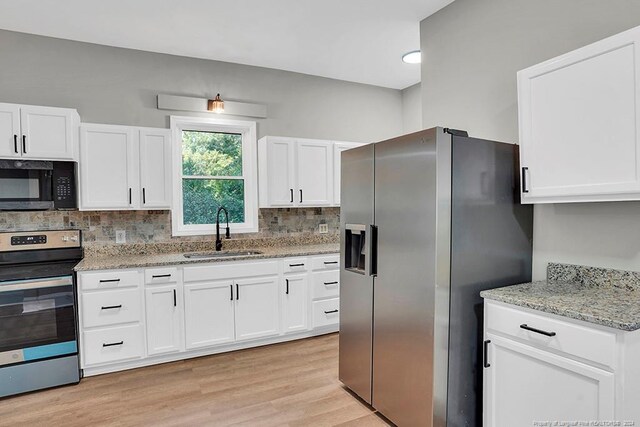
x: 297, y: 172
x: 10, y: 138
x: 579, y: 122
x: 107, y: 172
x: 124, y: 168
x: 42, y: 133
x: 155, y: 168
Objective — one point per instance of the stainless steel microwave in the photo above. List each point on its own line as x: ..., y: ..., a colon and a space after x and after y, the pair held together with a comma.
x: 29, y: 185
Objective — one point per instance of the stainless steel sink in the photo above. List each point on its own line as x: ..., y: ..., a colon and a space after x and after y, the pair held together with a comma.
x: 205, y: 255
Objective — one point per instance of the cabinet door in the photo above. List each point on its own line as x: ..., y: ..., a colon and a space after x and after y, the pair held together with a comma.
x: 108, y: 176
x: 314, y: 173
x: 279, y: 176
x: 10, y: 137
x: 257, y: 307
x: 47, y: 133
x: 155, y: 168
x: 295, y: 303
x: 208, y: 309
x: 163, y: 319
x: 525, y: 384
x: 338, y: 148
x: 578, y: 124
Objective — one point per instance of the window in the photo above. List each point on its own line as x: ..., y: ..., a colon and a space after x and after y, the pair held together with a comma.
x: 214, y: 166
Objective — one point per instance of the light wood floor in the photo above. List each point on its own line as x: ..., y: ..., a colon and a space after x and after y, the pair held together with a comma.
x: 289, y: 384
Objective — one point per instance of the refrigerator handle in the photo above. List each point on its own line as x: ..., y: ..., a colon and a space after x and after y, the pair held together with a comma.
x: 371, y: 266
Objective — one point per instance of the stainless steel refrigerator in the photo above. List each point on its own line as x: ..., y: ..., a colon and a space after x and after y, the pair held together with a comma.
x: 428, y: 220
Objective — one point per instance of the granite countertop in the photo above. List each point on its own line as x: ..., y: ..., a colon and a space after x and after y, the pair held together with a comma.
x: 596, y: 295
x: 116, y: 257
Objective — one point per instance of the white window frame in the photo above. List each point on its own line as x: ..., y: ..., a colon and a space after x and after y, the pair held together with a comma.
x: 249, y: 172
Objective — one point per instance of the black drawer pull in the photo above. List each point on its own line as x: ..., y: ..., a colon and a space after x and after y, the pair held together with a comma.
x: 287, y: 292
x: 486, y: 363
x: 300, y: 195
x: 111, y: 307
x: 330, y: 311
x: 330, y: 283
x: 538, y: 331
x: 144, y: 196
x: 296, y: 265
x: 231, y: 287
x: 330, y: 262
x: 15, y: 143
x: 109, y: 280
x: 175, y: 299
x: 24, y: 144
x: 111, y: 344
x: 160, y: 276
x: 291, y: 195
x: 237, y: 292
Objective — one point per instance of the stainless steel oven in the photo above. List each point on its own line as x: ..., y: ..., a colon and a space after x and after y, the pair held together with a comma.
x: 37, y: 185
x: 38, y: 328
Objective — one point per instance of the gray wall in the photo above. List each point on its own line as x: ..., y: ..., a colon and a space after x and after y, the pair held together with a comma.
x: 472, y: 50
x: 412, y: 109
x: 119, y: 86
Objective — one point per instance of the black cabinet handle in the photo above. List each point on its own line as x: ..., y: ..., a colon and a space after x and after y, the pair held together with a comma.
x: 160, y: 276
x: 24, y: 144
x: 330, y: 262
x: 129, y: 195
x: 291, y: 190
x: 330, y: 283
x: 15, y: 143
x: 112, y: 344
x: 525, y: 189
x: 296, y: 265
x: 330, y: 311
x: 237, y: 292
x: 231, y: 288
x: 109, y: 280
x: 287, y: 291
x: 175, y: 299
x: 111, y: 307
x: 486, y: 354
x: 144, y: 196
x: 301, y: 195
x: 537, y: 331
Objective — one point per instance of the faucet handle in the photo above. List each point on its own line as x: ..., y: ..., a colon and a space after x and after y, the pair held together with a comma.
x: 228, y: 233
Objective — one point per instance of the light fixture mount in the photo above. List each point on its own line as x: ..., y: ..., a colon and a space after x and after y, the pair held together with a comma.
x: 216, y: 105
x: 413, y: 57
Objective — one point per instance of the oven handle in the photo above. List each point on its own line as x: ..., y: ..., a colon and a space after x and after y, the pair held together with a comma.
x: 23, y: 285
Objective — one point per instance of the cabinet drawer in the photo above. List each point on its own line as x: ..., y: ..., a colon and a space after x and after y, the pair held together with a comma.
x: 292, y: 265
x: 326, y: 262
x: 112, y: 344
x: 326, y: 284
x: 160, y: 275
x: 326, y: 312
x: 111, y: 307
x: 110, y: 279
x: 581, y: 341
x: 230, y: 271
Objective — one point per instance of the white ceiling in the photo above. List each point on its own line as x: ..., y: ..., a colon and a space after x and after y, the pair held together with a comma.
x: 355, y: 40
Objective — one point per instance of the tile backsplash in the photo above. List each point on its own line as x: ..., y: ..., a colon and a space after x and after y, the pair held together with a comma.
x: 155, y: 226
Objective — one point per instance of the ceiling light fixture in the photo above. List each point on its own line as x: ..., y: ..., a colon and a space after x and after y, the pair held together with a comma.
x: 413, y: 57
x: 216, y: 105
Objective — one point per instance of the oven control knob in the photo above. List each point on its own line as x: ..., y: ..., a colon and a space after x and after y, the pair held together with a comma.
x: 74, y: 238
x: 65, y: 238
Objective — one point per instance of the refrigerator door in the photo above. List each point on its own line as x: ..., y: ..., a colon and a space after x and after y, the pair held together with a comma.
x: 356, y: 281
x: 407, y: 212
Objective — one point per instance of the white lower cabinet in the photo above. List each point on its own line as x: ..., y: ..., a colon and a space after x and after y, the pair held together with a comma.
x: 257, y: 308
x: 295, y: 303
x: 163, y: 319
x: 132, y: 318
x: 525, y: 385
x: 209, y: 314
x: 541, y: 369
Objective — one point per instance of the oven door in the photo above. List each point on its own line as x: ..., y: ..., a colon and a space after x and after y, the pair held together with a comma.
x: 37, y: 320
x: 26, y: 189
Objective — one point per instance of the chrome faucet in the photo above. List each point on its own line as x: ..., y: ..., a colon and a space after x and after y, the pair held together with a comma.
x: 227, y: 234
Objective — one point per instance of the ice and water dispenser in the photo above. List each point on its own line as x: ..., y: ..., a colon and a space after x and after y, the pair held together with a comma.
x: 359, y: 242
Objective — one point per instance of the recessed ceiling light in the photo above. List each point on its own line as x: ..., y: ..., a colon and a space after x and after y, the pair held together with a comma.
x: 413, y: 57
